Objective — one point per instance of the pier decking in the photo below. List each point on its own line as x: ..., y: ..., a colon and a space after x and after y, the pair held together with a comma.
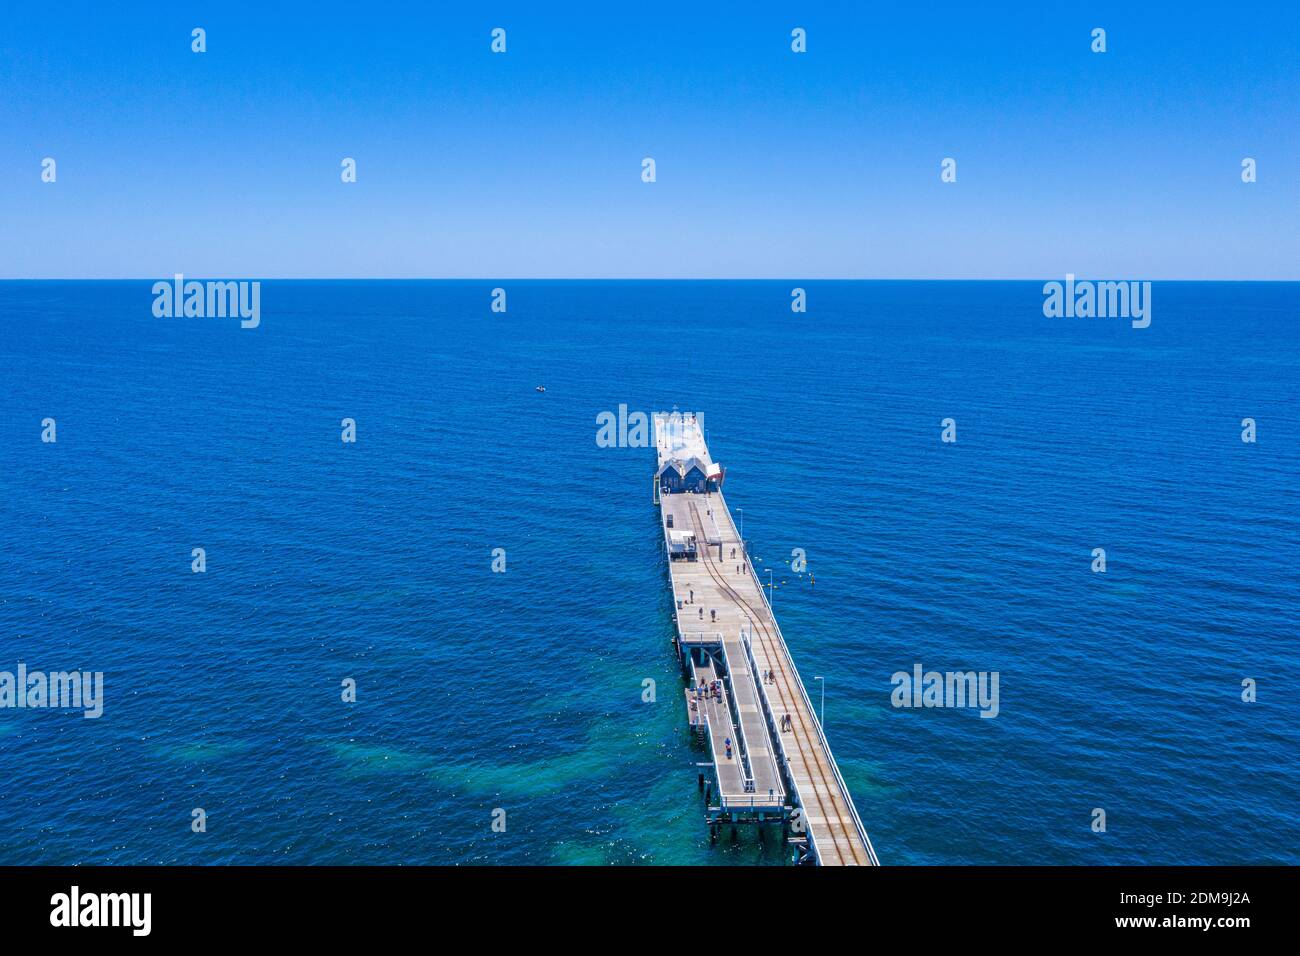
x: 727, y: 632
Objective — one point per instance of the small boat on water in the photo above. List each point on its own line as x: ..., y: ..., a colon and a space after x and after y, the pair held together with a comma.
x: 540, y: 388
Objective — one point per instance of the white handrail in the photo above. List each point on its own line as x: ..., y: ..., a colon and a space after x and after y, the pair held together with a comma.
x: 740, y: 729
x: 746, y: 642
x: 746, y: 775
x: 821, y: 734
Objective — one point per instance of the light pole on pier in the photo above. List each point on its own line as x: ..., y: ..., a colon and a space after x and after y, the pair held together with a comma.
x: 821, y: 719
x: 742, y: 523
x: 771, y: 588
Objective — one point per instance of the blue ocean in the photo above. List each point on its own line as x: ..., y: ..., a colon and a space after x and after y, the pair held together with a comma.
x: 517, y: 695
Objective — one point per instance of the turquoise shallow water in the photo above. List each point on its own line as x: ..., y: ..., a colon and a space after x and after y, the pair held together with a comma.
x: 522, y: 690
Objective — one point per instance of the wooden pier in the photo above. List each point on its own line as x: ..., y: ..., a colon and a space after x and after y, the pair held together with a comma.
x: 780, y: 767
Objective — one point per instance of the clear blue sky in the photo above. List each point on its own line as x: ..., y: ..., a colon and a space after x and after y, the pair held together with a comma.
x: 226, y: 164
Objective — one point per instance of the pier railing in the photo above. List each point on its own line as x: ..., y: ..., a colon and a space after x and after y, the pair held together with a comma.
x: 746, y: 640
x: 700, y: 637
x: 803, y: 693
x: 738, y: 720
x: 742, y: 742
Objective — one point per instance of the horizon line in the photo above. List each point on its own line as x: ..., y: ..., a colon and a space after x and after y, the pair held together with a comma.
x: 281, y: 278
